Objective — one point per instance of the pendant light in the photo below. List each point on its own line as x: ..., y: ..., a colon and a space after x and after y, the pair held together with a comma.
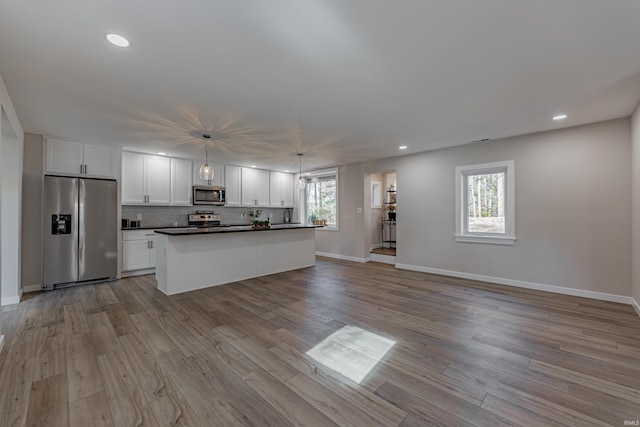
x: 301, y: 183
x: 206, y: 170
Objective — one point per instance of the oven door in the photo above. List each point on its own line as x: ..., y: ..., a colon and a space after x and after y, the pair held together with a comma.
x: 205, y: 195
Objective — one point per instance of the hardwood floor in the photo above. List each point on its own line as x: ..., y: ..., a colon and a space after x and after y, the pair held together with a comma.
x: 466, y: 353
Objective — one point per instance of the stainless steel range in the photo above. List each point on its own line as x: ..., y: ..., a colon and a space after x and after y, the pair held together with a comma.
x: 204, y: 219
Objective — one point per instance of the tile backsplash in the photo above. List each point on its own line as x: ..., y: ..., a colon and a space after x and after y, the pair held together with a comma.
x: 163, y: 216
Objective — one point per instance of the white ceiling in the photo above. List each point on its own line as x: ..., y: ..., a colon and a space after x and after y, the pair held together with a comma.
x: 339, y: 80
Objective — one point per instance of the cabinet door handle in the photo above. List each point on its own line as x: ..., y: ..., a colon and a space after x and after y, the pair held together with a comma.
x: 85, y: 170
x: 148, y: 244
x: 81, y: 169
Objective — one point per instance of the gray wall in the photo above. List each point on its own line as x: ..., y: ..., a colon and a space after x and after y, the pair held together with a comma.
x: 32, y: 211
x: 635, y: 160
x: 573, y: 210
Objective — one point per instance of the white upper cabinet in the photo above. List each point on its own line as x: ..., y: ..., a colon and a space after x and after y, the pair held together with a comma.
x: 158, y: 170
x: 133, y: 182
x: 218, y: 174
x: 232, y: 185
x: 280, y: 190
x: 255, y: 187
x: 76, y: 158
x: 181, y: 182
x: 146, y: 179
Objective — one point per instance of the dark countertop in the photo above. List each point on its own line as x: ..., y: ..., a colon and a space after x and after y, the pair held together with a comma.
x: 187, y: 231
x: 160, y: 227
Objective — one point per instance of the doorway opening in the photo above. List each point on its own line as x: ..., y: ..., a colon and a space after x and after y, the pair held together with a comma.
x: 380, y: 216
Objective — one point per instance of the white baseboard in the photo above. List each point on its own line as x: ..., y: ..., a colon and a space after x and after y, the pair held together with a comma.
x: 343, y: 257
x: 32, y: 288
x: 1, y: 342
x: 10, y: 300
x: 521, y: 284
x: 635, y: 305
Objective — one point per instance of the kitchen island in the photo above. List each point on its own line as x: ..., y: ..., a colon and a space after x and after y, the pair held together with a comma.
x: 194, y: 258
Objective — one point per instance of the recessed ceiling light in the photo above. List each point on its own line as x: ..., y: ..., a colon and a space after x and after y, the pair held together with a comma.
x: 253, y: 166
x: 118, y: 40
x: 162, y: 154
x: 560, y: 117
x: 402, y: 147
x: 287, y: 170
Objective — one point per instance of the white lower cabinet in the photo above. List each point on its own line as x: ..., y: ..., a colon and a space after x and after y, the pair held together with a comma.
x: 138, y: 250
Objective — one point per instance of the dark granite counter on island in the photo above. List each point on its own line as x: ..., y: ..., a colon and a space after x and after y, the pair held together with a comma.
x: 194, y: 258
x: 188, y: 231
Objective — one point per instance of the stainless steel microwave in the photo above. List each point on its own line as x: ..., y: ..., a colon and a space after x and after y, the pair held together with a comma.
x: 205, y: 195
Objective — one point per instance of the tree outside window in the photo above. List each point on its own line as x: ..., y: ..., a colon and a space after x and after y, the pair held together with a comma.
x: 485, y: 203
x: 322, y: 199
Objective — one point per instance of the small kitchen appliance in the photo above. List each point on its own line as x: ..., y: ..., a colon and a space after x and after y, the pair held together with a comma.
x: 203, y: 219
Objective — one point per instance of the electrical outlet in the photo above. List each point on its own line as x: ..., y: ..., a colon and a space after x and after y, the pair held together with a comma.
x: 139, y: 217
x: 359, y: 210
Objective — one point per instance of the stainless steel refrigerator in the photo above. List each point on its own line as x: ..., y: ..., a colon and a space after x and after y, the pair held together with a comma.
x: 80, y: 231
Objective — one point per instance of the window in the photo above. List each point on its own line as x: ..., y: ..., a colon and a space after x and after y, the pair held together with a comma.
x: 485, y: 203
x: 321, y: 198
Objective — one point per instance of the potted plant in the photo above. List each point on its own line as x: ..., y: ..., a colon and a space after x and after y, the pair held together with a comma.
x: 261, y: 224
x: 392, y: 212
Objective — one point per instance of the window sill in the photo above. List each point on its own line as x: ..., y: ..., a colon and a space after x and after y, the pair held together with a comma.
x: 492, y: 240
x: 327, y: 228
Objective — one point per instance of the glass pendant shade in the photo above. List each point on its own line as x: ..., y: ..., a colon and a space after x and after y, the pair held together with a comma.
x: 206, y: 170
x: 300, y: 184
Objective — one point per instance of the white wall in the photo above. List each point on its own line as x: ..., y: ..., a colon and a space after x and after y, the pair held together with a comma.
x: 11, y: 140
x: 10, y: 170
x: 32, y: 196
x: 635, y: 189
x: 573, y: 210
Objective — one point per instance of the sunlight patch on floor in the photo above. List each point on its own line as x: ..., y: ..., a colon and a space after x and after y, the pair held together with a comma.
x: 351, y: 351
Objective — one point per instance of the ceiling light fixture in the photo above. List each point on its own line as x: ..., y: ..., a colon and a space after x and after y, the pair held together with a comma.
x: 402, y: 147
x: 253, y: 166
x: 560, y: 117
x: 117, y: 40
x: 162, y: 154
x: 300, y: 184
x: 206, y: 170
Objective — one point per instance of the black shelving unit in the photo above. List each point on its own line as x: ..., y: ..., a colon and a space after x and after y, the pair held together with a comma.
x: 388, y: 222
x: 388, y: 229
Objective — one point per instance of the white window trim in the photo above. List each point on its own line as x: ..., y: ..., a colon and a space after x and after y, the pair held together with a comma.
x: 509, y: 237
x: 303, y: 198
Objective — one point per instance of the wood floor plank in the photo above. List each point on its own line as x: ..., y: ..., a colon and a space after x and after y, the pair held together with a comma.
x: 173, y: 410
x: 83, y: 376
x: 155, y: 337
x: 291, y: 406
x: 48, y: 404
x: 342, y: 412
x: 51, y: 355
x: 90, y: 411
x: 127, y: 404
x: 242, y: 397
x: 103, y: 336
x: 465, y: 353
x: 16, y: 388
x: 75, y: 320
x: 211, y: 408
x: 152, y: 379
